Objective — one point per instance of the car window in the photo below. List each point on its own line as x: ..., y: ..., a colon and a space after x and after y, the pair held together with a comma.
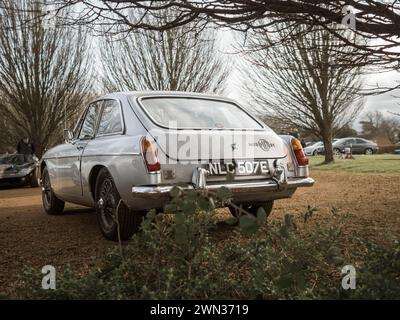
x: 349, y: 142
x: 361, y: 141
x: 111, y: 118
x: 78, y: 126
x: 191, y: 113
x: 90, y: 122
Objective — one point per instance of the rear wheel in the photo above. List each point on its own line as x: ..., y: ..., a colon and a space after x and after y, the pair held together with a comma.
x: 52, y: 205
x: 253, y: 208
x: 109, y: 221
x: 315, y: 153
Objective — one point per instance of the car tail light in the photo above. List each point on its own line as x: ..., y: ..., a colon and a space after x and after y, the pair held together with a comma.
x: 299, y: 152
x: 149, y: 152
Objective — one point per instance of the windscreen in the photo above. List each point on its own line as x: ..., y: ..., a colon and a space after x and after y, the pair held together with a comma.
x: 193, y: 113
x: 15, y: 159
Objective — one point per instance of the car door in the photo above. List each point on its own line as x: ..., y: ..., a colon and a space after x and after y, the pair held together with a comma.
x: 360, y: 146
x: 350, y: 143
x: 69, y: 165
x: 105, y: 148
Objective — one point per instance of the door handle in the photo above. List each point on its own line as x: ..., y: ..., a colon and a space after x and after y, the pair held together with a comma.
x: 79, y: 147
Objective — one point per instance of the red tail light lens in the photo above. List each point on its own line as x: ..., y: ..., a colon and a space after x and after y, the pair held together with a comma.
x: 149, y: 152
x: 299, y: 153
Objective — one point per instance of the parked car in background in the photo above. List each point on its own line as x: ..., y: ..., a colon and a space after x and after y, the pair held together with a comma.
x: 309, y: 143
x: 314, y: 149
x: 128, y: 151
x: 357, y: 145
x: 18, y: 169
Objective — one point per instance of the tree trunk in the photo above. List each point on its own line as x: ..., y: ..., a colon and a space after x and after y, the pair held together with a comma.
x: 327, y: 139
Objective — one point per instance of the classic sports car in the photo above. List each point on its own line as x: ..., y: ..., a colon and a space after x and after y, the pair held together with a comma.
x: 18, y: 169
x: 129, y: 150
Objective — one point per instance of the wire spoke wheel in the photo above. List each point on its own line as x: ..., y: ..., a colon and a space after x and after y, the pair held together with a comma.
x: 115, y: 219
x: 51, y: 204
x: 107, y: 204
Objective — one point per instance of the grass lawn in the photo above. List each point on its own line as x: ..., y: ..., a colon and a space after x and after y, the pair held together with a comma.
x: 382, y: 164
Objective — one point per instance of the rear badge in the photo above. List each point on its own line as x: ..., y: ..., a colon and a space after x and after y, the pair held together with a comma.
x: 263, y: 144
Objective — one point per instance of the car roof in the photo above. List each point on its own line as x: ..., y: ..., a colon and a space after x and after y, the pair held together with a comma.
x: 155, y: 93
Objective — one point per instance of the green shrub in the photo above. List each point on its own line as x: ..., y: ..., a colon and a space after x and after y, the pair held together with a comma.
x: 177, y: 257
x: 380, y: 273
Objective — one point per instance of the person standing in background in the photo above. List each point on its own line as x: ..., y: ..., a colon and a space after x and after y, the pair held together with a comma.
x: 26, y: 148
x: 294, y: 133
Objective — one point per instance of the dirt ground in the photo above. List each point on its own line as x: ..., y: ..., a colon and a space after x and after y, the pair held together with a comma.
x: 30, y: 237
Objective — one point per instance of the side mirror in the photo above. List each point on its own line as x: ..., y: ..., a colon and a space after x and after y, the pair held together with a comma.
x: 68, y: 135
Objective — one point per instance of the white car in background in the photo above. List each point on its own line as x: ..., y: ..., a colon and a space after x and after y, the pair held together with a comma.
x: 314, y: 149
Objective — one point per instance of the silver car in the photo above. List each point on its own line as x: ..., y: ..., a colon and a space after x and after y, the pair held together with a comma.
x: 129, y: 150
x: 314, y: 149
x: 357, y: 146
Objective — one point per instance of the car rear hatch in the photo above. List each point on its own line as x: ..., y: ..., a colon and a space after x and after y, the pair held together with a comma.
x: 216, y: 134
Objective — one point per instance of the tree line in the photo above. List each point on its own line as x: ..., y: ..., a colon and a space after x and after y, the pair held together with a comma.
x: 302, y: 74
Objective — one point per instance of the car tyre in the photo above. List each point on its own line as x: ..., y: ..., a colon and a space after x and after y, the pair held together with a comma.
x: 315, y: 153
x: 51, y: 204
x: 336, y: 151
x: 33, y: 182
x: 107, y: 199
x: 368, y: 151
x: 253, y: 208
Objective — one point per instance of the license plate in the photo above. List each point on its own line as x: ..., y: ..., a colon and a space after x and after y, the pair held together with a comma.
x: 239, y: 168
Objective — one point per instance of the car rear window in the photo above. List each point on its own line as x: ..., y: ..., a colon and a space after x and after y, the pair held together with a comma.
x: 194, y: 113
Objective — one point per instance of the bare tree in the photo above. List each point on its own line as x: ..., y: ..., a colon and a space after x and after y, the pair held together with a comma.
x: 175, y: 60
x: 44, y: 74
x: 376, y: 124
x: 302, y: 84
x: 372, y: 19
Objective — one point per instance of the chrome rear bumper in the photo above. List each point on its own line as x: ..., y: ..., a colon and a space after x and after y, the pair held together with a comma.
x: 157, y: 195
x: 268, y: 185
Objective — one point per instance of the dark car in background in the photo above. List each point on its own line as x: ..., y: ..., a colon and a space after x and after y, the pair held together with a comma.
x: 18, y: 169
x: 357, y: 145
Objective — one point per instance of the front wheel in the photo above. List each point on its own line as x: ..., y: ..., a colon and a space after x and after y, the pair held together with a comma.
x: 51, y: 204
x: 33, y: 181
x: 253, y: 208
x: 315, y: 153
x: 368, y: 151
x: 114, y: 225
x: 337, y: 152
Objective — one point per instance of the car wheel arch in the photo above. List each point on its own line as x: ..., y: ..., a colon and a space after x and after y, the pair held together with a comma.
x: 93, y: 178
